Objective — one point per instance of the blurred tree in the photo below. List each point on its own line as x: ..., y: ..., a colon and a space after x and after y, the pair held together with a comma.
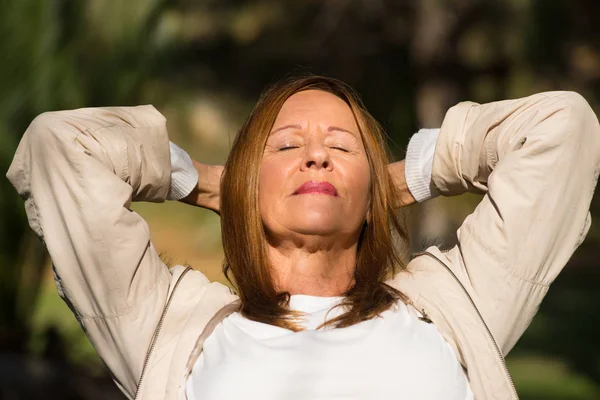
x: 59, y: 55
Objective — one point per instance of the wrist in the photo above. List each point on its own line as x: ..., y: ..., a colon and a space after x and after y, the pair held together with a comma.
x: 398, y: 175
x: 206, y: 192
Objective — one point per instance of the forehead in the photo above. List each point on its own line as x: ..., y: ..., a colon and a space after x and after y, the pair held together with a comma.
x: 318, y: 107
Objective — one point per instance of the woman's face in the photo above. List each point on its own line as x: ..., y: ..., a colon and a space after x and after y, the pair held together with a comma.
x: 315, y: 177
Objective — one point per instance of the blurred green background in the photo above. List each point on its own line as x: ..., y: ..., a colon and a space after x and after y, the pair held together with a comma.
x: 203, y: 65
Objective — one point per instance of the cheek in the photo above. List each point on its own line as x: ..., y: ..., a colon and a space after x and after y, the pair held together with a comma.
x: 358, y: 183
x: 272, y: 182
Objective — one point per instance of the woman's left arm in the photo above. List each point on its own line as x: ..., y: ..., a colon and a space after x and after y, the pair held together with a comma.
x: 537, y: 161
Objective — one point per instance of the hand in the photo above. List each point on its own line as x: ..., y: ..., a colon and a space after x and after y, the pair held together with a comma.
x: 206, y: 194
x: 399, y: 178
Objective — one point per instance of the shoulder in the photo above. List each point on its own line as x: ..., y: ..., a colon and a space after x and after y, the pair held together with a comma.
x: 196, y: 290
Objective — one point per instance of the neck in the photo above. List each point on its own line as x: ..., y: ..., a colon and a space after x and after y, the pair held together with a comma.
x: 314, y: 268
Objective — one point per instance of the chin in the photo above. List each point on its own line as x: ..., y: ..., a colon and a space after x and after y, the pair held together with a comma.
x: 317, y: 223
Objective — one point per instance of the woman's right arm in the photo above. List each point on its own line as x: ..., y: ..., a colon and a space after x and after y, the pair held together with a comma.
x: 78, y: 172
x: 537, y: 162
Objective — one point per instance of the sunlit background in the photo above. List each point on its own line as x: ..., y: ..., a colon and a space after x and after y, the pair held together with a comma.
x: 203, y: 65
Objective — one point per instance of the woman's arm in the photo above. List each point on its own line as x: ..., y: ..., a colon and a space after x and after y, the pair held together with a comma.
x: 537, y: 161
x: 78, y: 172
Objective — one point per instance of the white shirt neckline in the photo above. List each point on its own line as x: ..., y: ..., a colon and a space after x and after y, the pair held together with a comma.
x: 395, y: 355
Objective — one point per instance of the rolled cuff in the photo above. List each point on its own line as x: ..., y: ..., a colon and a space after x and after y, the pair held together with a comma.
x: 184, y: 176
x: 419, y: 164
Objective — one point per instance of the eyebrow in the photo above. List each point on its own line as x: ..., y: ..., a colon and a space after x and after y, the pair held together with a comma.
x: 337, y: 128
x: 294, y: 126
x: 297, y: 126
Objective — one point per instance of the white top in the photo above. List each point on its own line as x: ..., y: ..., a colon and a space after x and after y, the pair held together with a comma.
x: 396, y: 356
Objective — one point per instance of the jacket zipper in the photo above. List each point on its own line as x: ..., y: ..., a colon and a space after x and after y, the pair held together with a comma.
x: 156, y: 333
x: 489, y: 332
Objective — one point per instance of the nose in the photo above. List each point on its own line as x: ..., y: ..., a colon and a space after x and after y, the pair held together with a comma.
x: 316, y: 156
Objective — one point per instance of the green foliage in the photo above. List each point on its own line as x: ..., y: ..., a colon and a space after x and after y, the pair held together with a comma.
x: 59, y: 55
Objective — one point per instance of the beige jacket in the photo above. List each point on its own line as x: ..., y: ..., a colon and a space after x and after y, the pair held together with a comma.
x: 537, y: 159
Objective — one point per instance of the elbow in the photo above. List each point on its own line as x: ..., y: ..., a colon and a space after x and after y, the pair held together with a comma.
x: 578, y: 107
x: 40, y: 128
x: 586, y: 124
x: 37, y: 137
x: 46, y: 141
x: 43, y: 145
x: 582, y: 123
x: 580, y: 113
x: 49, y: 134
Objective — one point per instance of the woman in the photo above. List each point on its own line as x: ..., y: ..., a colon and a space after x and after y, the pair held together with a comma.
x: 324, y: 308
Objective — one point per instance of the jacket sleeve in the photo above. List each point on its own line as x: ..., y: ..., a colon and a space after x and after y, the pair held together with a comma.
x: 78, y: 172
x: 537, y: 161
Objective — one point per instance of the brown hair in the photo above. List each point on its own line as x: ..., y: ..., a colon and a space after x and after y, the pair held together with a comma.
x: 244, y: 239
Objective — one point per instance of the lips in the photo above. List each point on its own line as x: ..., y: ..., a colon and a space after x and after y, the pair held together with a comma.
x: 317, y: 187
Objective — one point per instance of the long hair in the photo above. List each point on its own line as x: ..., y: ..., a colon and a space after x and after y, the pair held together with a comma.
x: 244, y: 238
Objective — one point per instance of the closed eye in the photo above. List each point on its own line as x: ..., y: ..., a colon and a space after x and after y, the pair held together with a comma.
x: 340, y: 148
x: 288, y: 148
